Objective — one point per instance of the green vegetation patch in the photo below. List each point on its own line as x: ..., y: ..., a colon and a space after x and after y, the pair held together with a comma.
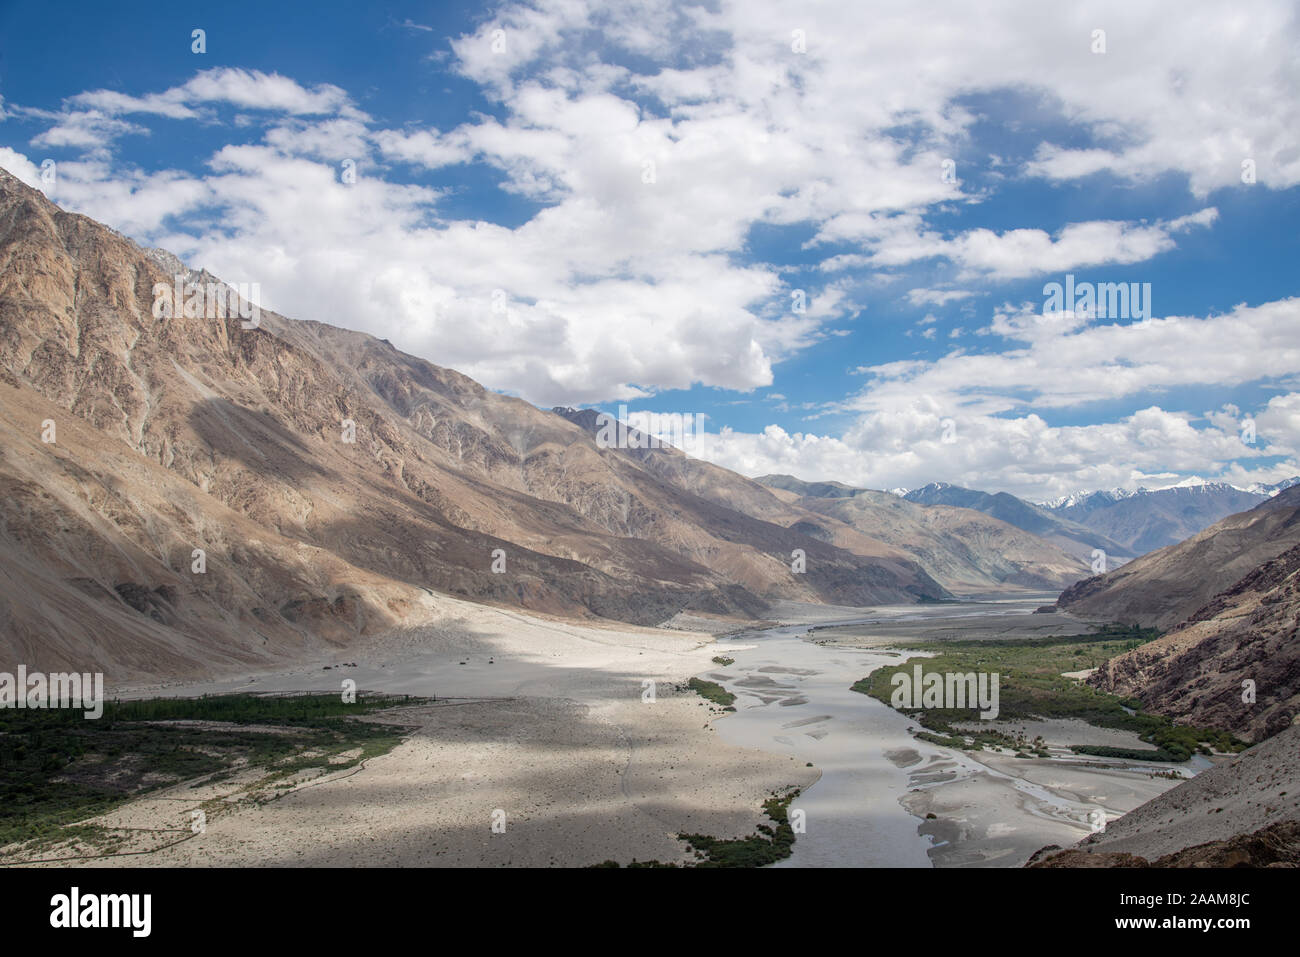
x: 1032, y: 686
x: 1132, y: 754
x: 772, y: 843
x: 722, y: 660
x: 712, y: 691
x: 57, y: 767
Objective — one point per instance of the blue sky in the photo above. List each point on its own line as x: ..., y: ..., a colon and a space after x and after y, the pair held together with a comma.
x: 605, y: 203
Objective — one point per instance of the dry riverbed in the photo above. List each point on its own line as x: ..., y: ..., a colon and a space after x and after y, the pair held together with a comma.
x: 547, y: 726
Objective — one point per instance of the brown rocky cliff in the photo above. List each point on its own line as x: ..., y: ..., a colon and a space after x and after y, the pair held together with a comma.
x: 1196, y: 672
x: 183, y: 433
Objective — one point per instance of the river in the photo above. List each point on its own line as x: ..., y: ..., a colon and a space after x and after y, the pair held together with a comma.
x: 793, y: 697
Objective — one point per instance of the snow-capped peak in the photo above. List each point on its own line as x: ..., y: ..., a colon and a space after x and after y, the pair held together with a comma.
x: 1260, y: 488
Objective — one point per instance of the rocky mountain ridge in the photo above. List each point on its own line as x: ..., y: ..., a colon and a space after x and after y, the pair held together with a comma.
x: 215, y: 494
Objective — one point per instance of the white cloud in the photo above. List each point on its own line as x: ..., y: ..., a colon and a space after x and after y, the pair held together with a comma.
x: 333, y: 140
x: 167, y: 104
x: 1017, y: 253
x: 1278, y: 424
x: 252, y: 89
x: 1022, y: 455
x: 90, y: 131
x: 1063, y: 360
x: 937, y: 297
x: 427, y: 148
x: 897, y: 434
x: 20, y: 166
x: 91, y: 121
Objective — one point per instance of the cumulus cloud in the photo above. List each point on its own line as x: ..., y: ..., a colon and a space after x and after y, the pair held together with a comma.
x: 1061, y: 360
x: 921, y: 440
x: 91, y: 121
x: 426, y: 148
x: 20, y: 166
x: 969, y: 419
x: 1014, y: 253
x: 253, y: 89
x: 937, y: 297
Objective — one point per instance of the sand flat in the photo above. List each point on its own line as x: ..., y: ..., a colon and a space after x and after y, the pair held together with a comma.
x: 550, y: 722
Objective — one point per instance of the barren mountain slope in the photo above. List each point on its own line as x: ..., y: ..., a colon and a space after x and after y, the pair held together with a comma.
x: 1165, y: 587
x: 964, y: 550
x: 967, y: 550
x: 1196, y: 672
x: 1073, y: 538
x: 1259, y: 789
x: 182, y: 433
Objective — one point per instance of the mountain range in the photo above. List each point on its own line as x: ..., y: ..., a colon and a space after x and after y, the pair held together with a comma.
x: 1121, y: 522
x: 1165, y: 587
x: 973, y: 552
x: 1228, y: 600
x: 1077, y: 538
x: 1145, y: 520
x: 328, y: 481
x: 200, y: 496
x: 203, y: 493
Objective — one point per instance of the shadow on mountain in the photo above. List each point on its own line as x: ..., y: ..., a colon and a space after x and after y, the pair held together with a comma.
x: 257, y: 440
x: 461, y: 562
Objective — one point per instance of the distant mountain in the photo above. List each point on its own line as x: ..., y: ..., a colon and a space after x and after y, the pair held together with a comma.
x: 1146, y: 519
x: 1273, y: 489
x: 1000, y: 505
x: 1168, y: 586
x: 1072, y: 537
x: 967, y: 551
x: 1096, y: 499
x: 808, y: 489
